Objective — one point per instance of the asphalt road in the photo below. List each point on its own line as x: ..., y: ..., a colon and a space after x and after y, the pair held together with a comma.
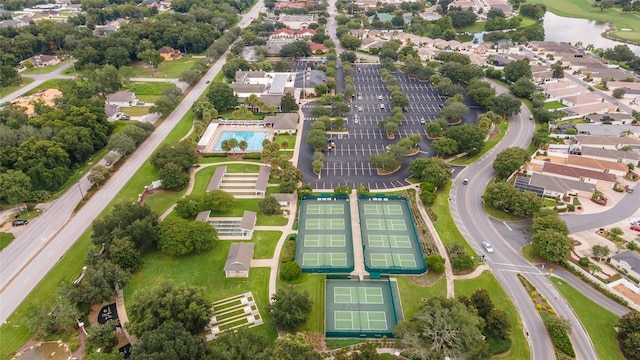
x: 622, y: 210
x: 37, y: 80
x: 506, y: 262
x: 31, y: 255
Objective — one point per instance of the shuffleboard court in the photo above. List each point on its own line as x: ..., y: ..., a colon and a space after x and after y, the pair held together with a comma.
x: 389, y: 241
x: 360, y: 320
x: 325, y: 240
x: 325, y: 224
x: 358, y: 295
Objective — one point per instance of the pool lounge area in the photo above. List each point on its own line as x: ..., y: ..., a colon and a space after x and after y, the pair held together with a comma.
x: 254, y: 139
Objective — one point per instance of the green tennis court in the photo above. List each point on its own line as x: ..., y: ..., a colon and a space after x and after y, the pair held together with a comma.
x: 325, y: 224
x: 368, y: 308
x: 360, y: 320
x: 325, y: 209
x: 389, y: 260
x: 358, y: 295
x: 389, y: 241
x: 382, y: 209
x: 386, y: 224
x: 325, y: 240
x: 324, y: 259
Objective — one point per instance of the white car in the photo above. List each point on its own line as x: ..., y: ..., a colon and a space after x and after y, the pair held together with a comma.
x: 379, y: 97
x: 487, y: 246
x: 359, y: 108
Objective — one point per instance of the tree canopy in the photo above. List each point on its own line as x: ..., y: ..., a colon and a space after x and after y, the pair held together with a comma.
x: 180, y: 237
x: 170, y: 340
x: 221, y: 96
x: 433, y: 170
x: 510, y: 160
x: 289, y: 308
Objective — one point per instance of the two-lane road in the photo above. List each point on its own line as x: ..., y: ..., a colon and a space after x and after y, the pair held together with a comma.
x: 31, y: 255
x: 506, y: 262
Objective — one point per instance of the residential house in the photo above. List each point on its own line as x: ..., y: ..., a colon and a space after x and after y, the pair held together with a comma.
x: 626, y: 157
x: 238, y: 261
x: 600, y: 179
x: 613, y: 119
x: 169, y: 53
x: 43, y: 60
x: 609, y: 142
x: 627, y: 262
x: 111, y: 111
x: 427, y: 53
x: 284, y: 199
x: 580, y: 99
x: 607, y: 130
x: 499, y: 60
x: 122, y: 99
x: 584, y: 162
x: 318, y: 48
x: 556, y: 186
x: 585, y: 109
x: 305, y: 33
x: 283, y: 34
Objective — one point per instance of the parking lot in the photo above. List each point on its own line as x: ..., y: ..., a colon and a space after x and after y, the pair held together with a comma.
x: 348, y: 162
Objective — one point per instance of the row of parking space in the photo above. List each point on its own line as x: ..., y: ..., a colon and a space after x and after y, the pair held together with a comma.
x: 348, y: 168
x: 375, y: 120
x: 423, y: 97
x: 421, y: 108
x: 371, y: 87
x: 374, y: 70
x: 373, y: 134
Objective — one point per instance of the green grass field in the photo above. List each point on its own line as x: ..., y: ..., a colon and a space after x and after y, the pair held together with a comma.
x: 43, y: 70
x: 135, y: 110
x: 411, y: 293
x: 519, y: 346
x: 445, y: 226
x: 289, y: 139
x: 553, y: 105
x: 166, y: 69
x: 150, y: 91
x: 583, y: 9
x: 598, y: 322
x: 9, y: 89
x: 49, y: 84
x: 266, y: 242
x: 5, y: 239
x: 313, y: 284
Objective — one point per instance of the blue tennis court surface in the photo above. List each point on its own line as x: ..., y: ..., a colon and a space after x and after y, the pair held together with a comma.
x: 254, y: 139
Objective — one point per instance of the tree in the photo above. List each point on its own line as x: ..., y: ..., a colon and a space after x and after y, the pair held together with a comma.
x: 100, y: 281
x: 503, y: 195
x: 121, y: 143
x: 169, y: 341
x: 433, y: 170
x: 497, y: 324
x: 52, y: 318
x: 14, y: 187
x: 443, y: 328
x: 510, y: 160
x: 132, y: 220
x: 102, y: 336
x: 269, y: 206
x: 600, y: 251
x: 523, y: 88
x: 241, y: 344
x: 317, y: 139
x: 180, y: 237
x: 190, y: 76
x: 504, y: 105
x: 153, y: 306
x: 619, y: 92
x: 480, y: 92
x: 385, y: 161
x: 517, y: 69
x: 289, y: 308
x: 481, y: 301
x: 123, y: 253
x: 350, y: 42
x: 291, y: 347
x: 152, y: 58
x: 558, y: 71
x: 365, y: 351
x: 173, y: 177
x: 470, y: 138
x: 295, y: 49
x: 548, y: 220
x: 606, y: 4
x: 221, y: 96
x: 288, y: 103
x: 551, y: 245
x: 445, y: 146
x: 435, y: 263
x: 181, y: 154
x: 290, y: 270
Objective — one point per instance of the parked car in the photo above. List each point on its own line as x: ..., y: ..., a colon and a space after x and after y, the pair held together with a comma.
x: 487, y: 246
x: 381, y: 106
x: 628, y: 188
x: 379, y: 97
x: 422, y: 120
x: 359, y: 108
x: 635, y: 227
x: 20, y: 222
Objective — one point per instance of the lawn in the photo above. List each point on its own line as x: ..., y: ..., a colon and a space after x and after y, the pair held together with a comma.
x: 149, y: 91
x: 528, y: 252
x: 10, y: 89
x: 43, y: 70
x: 519, y: 346
x: 15, y: 333
x: 135, y: 110
x: 445, y: 226
x: 5, y: 239
x: 289, y: 139
x: 206, y: 270
x: 314, y: 286
x: 166, y: 69
x: 266, y: 242
x: 550, y: 105
x: 598, y: 321
x: 49, y: 84
x: 503, y: 126
x: 203, y: 176
x: 583, y: 9
x: 412, y: 293
x: 478, y: 26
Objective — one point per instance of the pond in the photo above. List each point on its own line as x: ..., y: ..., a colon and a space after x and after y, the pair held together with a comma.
x: 51, y: 350
x: 558, y: 28
x: 564, y: 29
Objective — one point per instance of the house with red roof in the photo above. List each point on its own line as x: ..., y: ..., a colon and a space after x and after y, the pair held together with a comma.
x: 283, y: 34
x: 318, y: 48
x: 169, y: 53
x: 306, y: 33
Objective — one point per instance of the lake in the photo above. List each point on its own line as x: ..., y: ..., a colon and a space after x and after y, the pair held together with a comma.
x: 564, y: 29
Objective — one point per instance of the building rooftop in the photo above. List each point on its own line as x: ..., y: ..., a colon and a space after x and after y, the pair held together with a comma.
x: 577, y: 173
x: 610, y: 154
x: 608, y: 140
x: 595, y: 163
x: 630, y: 258
x: 248, y: 220
x: 263, y: 178
x: 558, y: 184
x: 239, y: 257
x: 216, y: 179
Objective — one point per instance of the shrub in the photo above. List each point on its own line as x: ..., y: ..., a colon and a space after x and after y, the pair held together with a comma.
x: 435, y: 263
x: 538, y: 307
x: 559, y: 333
x: 534, y: 293
x: 288, y: 252
x: 463, y: 262
x: 584, y: 261
x: 290, y: 271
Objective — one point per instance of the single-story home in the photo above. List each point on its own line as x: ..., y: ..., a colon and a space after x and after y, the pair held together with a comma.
x: 122, y: 98
x: 284, y: 199
x: 283, y: 123
x: 169, y: 53
x: 238, y: 261
x: 43, y: 60
x: 628, y: 262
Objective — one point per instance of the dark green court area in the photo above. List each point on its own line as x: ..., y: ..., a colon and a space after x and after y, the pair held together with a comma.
x: 324, y: 243
x: 356, y: 308
x: 389, y: 238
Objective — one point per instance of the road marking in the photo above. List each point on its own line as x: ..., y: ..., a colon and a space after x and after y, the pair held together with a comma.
x: 508, y: 227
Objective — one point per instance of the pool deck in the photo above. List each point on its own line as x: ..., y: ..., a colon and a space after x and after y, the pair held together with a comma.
x: 210, y: 148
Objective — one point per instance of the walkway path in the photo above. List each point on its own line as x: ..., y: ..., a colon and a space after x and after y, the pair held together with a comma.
x: 358, y: 249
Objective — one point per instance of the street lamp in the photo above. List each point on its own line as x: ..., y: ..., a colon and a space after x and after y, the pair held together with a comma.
x: 80, y: 188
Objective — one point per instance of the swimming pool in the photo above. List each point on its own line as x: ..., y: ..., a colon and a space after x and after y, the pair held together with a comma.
x: 254, y: 139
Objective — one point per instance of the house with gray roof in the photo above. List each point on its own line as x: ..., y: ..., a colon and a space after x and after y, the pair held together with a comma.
x: 557, y: 186
x: 283, y: 123
x: 613, y: 119
x: 122, y: 99
x: 627, y: 262
x: 607, y: 130
x: 238, y: 261
x: 627, y: 157
x: 609, y: 142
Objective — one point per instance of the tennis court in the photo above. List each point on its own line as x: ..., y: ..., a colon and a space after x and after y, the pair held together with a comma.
x: 325, y: 240
x: 389, y: 238
x: 356, y: 308
x: 324, y: 235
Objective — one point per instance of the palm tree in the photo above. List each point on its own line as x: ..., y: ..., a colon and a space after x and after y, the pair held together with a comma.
x: 233, y: 143
x: 225, y: 146
x: 243, y: 145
